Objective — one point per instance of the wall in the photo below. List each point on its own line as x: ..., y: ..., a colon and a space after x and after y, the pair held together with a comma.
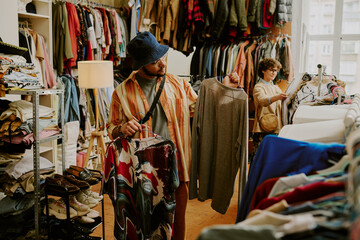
x: 8, y: 21
x: 178, y: 63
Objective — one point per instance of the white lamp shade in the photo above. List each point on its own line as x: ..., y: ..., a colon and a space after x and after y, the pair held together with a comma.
x: 95, y: 74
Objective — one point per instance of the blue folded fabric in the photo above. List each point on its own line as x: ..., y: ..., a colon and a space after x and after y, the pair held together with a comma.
x: 278, y: 157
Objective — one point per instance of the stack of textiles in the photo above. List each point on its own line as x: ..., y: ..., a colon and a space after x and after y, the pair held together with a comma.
x: 15, y: 72
x: 17, y: 195
x: 16, y: 125
x: 297, y: 192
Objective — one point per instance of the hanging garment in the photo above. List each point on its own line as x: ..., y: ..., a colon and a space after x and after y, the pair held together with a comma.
x: 219, y: 143
x: 140, y: 177
x: 71, y: 102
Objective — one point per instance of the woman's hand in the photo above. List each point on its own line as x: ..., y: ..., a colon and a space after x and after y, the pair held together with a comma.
x: 282, y: 96
x: 232, y: 80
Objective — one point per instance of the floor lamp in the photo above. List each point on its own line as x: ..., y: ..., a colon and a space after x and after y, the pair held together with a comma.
x: 94, y: 75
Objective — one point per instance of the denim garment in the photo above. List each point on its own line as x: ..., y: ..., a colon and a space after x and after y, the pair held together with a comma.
x: 71, y: 100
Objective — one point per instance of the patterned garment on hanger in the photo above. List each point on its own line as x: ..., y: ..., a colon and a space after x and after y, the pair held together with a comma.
x: 140, y: 177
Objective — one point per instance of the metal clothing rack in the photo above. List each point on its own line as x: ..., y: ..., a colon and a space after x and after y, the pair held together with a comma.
x: 36, y: 145
x: 87, y: 3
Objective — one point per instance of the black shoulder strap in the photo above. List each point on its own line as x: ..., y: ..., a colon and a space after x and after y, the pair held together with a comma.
x: 153, y: 105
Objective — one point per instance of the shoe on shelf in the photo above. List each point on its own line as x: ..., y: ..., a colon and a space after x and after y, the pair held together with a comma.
x: 94, y: 173
x: 85, y: 219
x: 86, y: 199
x: 81, y: 208
x: 60, y: 185
x: 72, y: 179
x: 82, y: 175
x: 92, y: 213
x: 57, y: 208
x: 92, y: 194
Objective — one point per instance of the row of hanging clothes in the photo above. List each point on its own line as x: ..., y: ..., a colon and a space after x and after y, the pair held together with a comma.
x: 41, y: 75
x: 87, y: 31
x: 183, y: 24
x: 79, y: 105
x: 243, y: 57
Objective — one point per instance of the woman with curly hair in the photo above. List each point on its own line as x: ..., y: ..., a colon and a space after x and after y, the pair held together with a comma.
x: 267, y: 101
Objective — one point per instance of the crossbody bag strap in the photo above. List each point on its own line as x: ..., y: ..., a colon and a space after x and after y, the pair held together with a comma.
x: 153, y: 105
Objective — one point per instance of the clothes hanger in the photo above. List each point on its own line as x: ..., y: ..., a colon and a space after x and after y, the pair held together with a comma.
x: 339, y: 166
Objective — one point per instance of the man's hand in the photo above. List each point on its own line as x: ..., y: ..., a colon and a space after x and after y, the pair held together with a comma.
x: 131, y: 127
x: 232, y: 80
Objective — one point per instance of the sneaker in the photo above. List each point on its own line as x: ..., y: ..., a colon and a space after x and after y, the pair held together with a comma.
x: 92, y: 213
x: 92, y: 194
x: 81, y: 209
x: 85, y: 219
x: 57, y: 208
x: 86, y: 199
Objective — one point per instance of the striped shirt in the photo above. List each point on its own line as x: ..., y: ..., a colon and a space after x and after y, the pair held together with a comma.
x: 178, y: 101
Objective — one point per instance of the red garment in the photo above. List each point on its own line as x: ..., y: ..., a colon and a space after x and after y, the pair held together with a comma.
x: 105, y: 25
x: 323, y: 198
x: 263, y: 191
x: 74, y: 30
x: 305, y: 193
x: 232, y: 34
x: 197, y: 14
x: 89, y: 55
x: 267, y: 18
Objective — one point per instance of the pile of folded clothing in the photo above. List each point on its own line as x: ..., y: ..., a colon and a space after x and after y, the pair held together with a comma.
x: 17, y: 126
x: 17, y: 73
x: 17, y: 194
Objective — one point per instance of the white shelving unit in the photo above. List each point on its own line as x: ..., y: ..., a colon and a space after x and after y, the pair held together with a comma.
x: 41, y: 22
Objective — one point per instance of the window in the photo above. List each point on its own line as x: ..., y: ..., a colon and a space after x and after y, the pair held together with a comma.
x: 333, y: 39
x: 347, y: 68
x: 328, y: 8
x: 349, y: 47
x: 351, y: 17
x: 326, y: 49
x: 328, y: 28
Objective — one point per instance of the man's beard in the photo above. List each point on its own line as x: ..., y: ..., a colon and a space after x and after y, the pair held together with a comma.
x: 147, y: 72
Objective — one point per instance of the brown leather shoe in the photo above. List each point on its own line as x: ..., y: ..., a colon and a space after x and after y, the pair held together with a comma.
x: 60, y: 185
x: 93, y: 173
x: 81, y: 184
x: 82, y: 175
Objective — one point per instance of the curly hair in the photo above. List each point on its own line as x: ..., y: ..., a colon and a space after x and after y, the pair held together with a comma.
x: 268, y: 63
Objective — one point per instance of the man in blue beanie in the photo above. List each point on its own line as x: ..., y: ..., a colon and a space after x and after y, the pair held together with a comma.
x: 170, y: 117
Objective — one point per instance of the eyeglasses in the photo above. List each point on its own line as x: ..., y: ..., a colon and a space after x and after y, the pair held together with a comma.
x: 160, y: 59
x: 273, y: 70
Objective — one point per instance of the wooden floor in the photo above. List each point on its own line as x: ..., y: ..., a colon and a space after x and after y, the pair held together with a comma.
x: 198, y: 216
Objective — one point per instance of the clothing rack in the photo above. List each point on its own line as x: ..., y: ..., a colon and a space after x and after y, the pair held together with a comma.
x: 70, y: 1
x: 194, y: 78
x: 96, y: 4
x: 265, y: 35
x: 88, y: 3
x: 24, y: 24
